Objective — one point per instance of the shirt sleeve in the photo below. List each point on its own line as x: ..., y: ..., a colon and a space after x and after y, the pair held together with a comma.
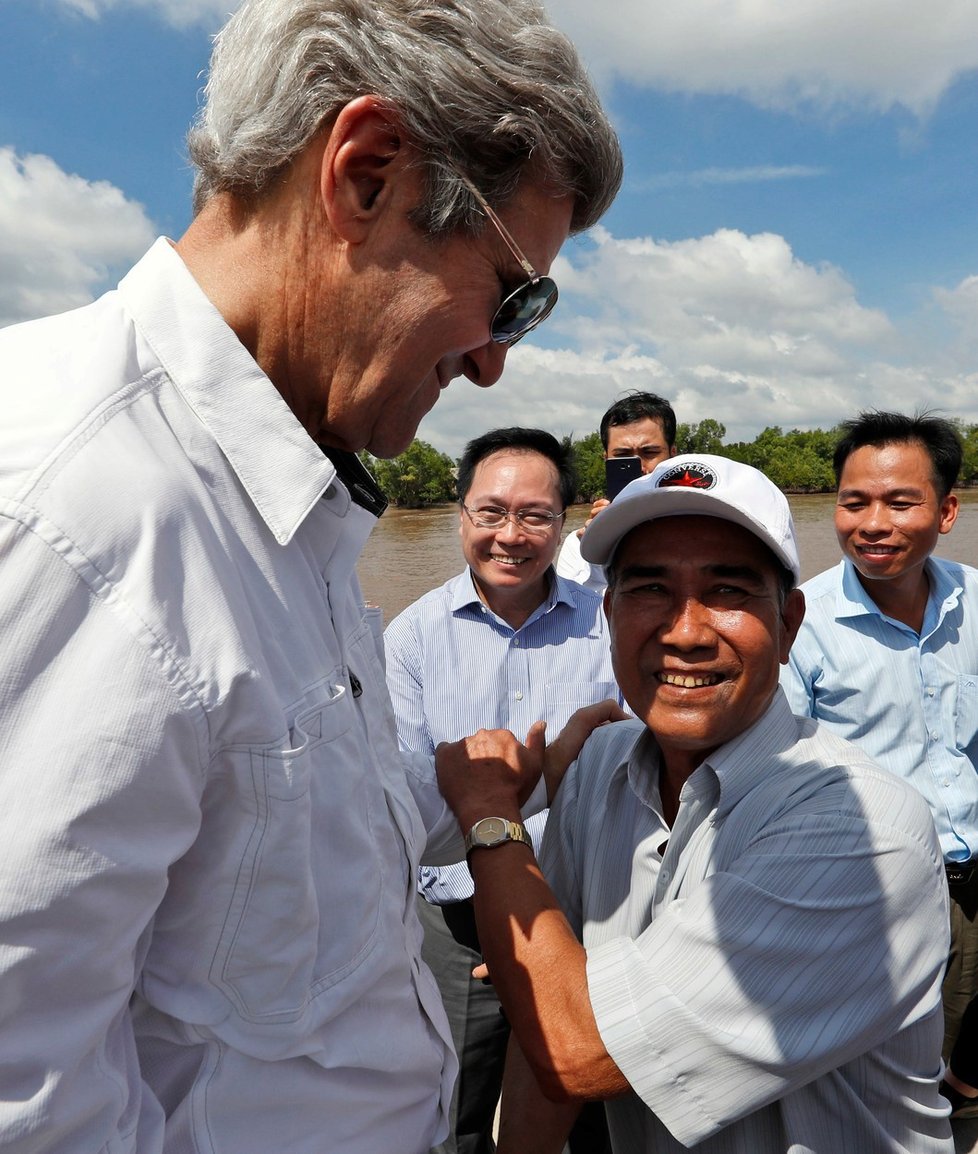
x: 570, y: 563
x: 822, y: 939
x: 797, y: 681
x: 102, y: 773
x: 405, y: 681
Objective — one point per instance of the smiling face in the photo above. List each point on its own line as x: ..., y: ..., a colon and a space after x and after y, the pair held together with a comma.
x: 697, y: 632
x: 888, y: 516
x: 509, y: 564
x: 417, y: 315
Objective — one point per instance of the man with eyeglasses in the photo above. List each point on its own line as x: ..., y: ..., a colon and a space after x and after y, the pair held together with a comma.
x: 504, y: 644
x: 208, y: 934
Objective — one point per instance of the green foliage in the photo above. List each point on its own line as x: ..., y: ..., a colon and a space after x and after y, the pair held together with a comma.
x: 704, y: 436
x: 799, y: 461
x: 969, y: 464
x: 420, y: 476
x: 589, y: 464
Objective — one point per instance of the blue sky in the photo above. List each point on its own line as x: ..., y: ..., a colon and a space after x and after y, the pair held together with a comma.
x: 796, y: 237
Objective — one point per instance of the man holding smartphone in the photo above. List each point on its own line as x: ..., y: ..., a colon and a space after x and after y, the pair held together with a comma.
x: 639, y: 428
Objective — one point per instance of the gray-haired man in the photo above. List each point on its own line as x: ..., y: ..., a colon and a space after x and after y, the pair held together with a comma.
x: 209, y: 938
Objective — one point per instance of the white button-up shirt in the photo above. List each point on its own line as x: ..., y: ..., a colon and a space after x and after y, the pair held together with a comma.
x: 204, y: 801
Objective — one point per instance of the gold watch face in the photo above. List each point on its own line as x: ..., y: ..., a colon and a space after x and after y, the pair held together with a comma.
x: 490, y: 830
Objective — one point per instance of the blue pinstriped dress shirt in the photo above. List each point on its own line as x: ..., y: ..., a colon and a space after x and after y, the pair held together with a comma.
x: 454, y: 667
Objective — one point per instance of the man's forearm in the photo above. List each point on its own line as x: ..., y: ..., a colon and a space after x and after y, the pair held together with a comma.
x: 529, y: 1123
x: 539, y: 969
x: 534, y: 958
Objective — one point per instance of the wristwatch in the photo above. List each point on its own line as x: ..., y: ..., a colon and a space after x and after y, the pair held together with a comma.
x: 493, y: 831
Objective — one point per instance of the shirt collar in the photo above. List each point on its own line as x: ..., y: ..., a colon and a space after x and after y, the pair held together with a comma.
x: 852, y: 600
x: 734, y: 764
x: 641, y: 766
x: 279, y: 465
x: 466, y: 596
x: 563, y: 591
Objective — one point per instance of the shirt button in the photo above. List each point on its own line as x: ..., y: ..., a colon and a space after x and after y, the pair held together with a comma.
x: 519, y: 695
x: 516, y: 641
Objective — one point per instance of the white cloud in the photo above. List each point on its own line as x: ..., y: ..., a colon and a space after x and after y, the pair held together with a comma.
x: 178, y: 13
x: 961, y: 303
x: 61, y: 237
x: 828, y: 54
x: 737, y: 301
x: 728, y: 326
x: 958, y: 310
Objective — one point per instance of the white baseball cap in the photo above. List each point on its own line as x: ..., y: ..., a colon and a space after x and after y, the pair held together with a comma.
x: 697, y: 484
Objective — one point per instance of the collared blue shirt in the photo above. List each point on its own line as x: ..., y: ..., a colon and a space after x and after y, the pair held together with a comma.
x: 911, y: 701
x: 454, y: 666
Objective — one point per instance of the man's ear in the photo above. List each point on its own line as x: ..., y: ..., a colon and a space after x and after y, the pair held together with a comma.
x: 791, y: 618
x: 948, y: 513
x: 364, y: 158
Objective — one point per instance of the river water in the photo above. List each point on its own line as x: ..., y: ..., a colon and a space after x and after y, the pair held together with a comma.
x: 413, y: 550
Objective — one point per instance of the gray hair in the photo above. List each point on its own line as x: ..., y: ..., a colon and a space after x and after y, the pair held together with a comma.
x: 482, y: 87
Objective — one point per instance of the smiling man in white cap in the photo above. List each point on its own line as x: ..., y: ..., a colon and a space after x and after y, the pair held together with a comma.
x: 742, y: 931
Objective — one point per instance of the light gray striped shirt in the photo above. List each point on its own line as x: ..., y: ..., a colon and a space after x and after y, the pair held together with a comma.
x: 771, y: 983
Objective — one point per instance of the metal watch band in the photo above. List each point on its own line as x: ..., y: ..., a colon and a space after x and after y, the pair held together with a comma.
x: 489, y: 832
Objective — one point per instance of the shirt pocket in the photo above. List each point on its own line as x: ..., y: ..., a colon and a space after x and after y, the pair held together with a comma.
x: 299, y: 920
x: 966, y: 713
x: 564, y: 698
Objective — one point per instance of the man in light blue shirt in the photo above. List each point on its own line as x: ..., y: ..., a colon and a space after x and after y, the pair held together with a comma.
x: 504, y: 644
x: 887, y: 655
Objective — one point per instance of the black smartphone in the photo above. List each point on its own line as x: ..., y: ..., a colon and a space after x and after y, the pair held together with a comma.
x: 618, y: 471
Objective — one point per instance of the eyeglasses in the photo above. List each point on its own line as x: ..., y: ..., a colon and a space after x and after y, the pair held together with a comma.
x: 530, y: 520
x: 525, y: 307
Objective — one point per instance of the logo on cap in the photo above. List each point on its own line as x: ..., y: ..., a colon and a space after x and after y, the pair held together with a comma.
x: 688, y: 475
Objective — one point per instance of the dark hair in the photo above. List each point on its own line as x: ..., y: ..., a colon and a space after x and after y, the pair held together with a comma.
x: 519, y: 440
x: 637, y: 407
x: 936, y: 434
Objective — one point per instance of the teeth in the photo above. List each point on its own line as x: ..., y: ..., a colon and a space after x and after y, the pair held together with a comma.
x: 510, y: 560
x: 687, y: 681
